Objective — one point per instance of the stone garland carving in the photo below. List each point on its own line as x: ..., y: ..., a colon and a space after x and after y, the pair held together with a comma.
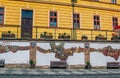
x: 43, y: 51
x: 7, y: 48
x: 109, y: 51
x: 62, y: 53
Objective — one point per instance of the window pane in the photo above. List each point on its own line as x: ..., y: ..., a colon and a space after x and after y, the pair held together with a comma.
x: 77, y: 21
x: 73, y: 15
x: 0, y: 21
x: 51, y: 13
x: 113, y: 19
x: 27, y: 13
x: 1, y: 10
x: 97, y: 17
x: 95, y: 23
x: 116, y: 24
x: 55, y: 19
x: 1, y: 18
x: 98, y: 23
x: 74, y: 21
x: 94, y: 17
x: 116, y: 20
x: 77, y: 15
x: 76, y: 25
x: 114, y: 1
x: 96, y: 0
x: 96, y: 27
x: 113, y: 24
x: 55, y: 14
x: 53, y: 24
x: 51, y: 19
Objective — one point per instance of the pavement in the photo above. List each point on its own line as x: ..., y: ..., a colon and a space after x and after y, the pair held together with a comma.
x: 58, y: 73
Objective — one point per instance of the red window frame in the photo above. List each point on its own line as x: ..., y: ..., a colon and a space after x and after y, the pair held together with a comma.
x: 2, y: 13
x: 76, y: 19
x: 96, y: 22
x: 115, y: 21
x: 53, y: 17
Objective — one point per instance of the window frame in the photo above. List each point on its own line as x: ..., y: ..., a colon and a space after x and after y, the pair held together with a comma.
x: 96, y: 0
x: 114, y: 1
x: 114, y: 22
x: 2, y: 13
x: 96, y: 22
x: 53, y: 17
x: 76, y: 19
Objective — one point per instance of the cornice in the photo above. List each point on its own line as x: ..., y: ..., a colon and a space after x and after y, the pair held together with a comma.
x: 99, y: 8
x: 69, y: 4
x: 101, y: 2
x: 17, y: 26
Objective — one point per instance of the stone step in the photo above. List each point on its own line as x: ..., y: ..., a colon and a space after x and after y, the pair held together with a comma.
x: 59, y: 73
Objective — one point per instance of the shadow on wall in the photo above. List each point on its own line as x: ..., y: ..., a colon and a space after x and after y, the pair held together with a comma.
x: 77, y: 58
x: 98, y: 59
x: 15, y: 58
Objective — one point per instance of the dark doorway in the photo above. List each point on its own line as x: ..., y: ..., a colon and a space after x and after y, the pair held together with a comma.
x: 26, y: 24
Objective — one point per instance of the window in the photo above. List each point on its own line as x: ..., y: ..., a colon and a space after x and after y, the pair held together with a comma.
x: 75, y: 1
x: 53, y: 19
x: 115, y: 21
x: 1, y: 15
x: 96, y: 0
x: 27, y: 14
x: 76, y: 20
x: 114, y: 1
x: 96, y: 22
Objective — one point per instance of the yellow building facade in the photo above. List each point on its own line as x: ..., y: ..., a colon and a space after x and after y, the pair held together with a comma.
x: 91, y: 18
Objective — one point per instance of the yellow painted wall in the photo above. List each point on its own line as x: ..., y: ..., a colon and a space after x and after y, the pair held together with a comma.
x: 41, y: 14
x: 104, y: 1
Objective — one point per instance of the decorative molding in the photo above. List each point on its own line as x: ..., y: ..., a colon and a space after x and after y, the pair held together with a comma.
x: 109, y: 51
x: 14, y: 49
x: 101, y: 2
x: 27, y: 5
x: 69, y: 4
x: 61, y: 52
x: 53, y: 8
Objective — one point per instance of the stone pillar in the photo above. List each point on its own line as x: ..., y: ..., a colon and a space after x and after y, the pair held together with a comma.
x: 87, y: 55
x: 33, y: 49
x: 87, y: 52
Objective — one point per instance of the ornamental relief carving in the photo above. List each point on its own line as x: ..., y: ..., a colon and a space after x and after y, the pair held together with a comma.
x: 61, y: 52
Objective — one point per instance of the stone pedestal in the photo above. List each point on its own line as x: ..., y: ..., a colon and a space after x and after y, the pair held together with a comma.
x: 87, y: 52
x: 87, y: 55
x: 33, y: 49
